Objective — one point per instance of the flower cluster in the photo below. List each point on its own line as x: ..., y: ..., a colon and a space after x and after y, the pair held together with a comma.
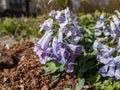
x: 108, y: 45
x: 59, y: 43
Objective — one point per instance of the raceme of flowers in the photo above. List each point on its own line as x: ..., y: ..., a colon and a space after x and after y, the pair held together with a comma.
x: 108, y: 45
x: 59, y: 43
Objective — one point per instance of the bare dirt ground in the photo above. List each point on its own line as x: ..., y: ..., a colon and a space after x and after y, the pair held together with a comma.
x: 20, y: 69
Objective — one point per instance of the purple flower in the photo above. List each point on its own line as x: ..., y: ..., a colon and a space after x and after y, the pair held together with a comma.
x: 117, y: 59
x: 116, y: 21
x: 62, y: 52
x: 42, y: 45
x: 106, y: 31
x: 53, y: 13
x: 76, y: 33
x: 111, y: 69
x: 67, y: 32
x: 68, y: 13
x: 98, y: 45
x: 99, y: 24
x: 113, y: 30
x: 61, y: 19
x: 118, y: 46
x: 106, y: 53
x: 60, y: 35
x: 58, y: 14
x: 98, y: 32
x: 54, y: 45
x: 69, y: 67
x: 100, y: 21
x: 76, y: 49
x: 105, y: 56
x: 118, y: 13
x: 44, y: 41
x: 103, y: 70
x: 64, y: 55
x: 62, y: 49
x: 47, y: 25
x: 108, y: 69
x: 117, y: 71
x: 75, y: 21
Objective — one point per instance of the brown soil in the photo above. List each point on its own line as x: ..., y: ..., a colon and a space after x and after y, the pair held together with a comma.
x: 20, y: 69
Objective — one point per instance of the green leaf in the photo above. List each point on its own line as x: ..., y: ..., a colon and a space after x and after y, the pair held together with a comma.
x: 116, y: 85
x: 97, y: 78
x: 88, y: 31
x: 109, y: 88
x: 51, y: 68
x: 80, y: 84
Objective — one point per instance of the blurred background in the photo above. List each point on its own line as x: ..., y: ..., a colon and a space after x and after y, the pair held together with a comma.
x: 38, y: 7
x: 31, y: 12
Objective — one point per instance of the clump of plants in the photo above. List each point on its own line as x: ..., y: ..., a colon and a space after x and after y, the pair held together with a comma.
x: 59, y: 43
x: 107, y: 44
x: 19, y: 27
x: 68, y: 41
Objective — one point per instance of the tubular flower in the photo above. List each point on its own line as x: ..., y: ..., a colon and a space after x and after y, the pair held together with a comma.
x: 47, y: 25
x: 42, y: 45
x: 99, y: 24
x: 108, y: 53
x: 106, y: 31
x: 63, y: 49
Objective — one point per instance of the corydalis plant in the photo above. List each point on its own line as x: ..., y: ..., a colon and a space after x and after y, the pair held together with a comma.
x: 108, y: 45
x: 62, y: 48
